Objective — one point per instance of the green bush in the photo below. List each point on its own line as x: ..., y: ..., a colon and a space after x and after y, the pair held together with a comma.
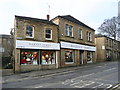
x: 9, y: 66
x: 7, y: 63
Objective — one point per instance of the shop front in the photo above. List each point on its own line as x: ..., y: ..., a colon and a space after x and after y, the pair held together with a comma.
x: 37, y: 55
x: 76, y: 54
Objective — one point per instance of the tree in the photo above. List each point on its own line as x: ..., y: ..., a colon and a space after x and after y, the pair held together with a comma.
x: 110, y: 28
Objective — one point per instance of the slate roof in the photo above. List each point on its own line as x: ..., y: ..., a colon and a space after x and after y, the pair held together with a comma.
x: 36, y: 20
x: 72, y: 19
x: 4, y: 36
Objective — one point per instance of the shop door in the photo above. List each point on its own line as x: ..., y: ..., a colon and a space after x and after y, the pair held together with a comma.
x: 81, y: 57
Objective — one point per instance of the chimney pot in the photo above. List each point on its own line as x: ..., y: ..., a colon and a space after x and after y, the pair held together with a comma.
x: 48, y: 17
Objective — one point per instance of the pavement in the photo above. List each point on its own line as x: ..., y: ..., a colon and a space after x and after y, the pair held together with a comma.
x: 9, y: 76
x: 42, y: 73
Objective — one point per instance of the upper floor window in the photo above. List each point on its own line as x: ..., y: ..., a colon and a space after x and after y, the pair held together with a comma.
x: 29, y: 31
x: 71, y: 31
x: 48, y: 35
x: 89, y: 36
x: 107, y: 42
x: 80, y: 33
x: 68, y: 30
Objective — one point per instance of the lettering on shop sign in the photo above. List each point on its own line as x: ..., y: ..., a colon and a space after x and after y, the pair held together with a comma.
x: 77, y: 46
x: 37, y: 45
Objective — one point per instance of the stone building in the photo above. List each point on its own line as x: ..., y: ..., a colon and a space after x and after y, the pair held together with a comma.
x: 76, y: 40
x: 107, y: 48
x: 36, y: 44
x: 6, y: 45
x: 6, y: 49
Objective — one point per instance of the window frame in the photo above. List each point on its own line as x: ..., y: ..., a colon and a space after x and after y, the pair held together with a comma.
x: 47, y: 33
x: 71, y: 30
x: 33, y: 28
x: 72, y: 57
x: 90, y: 36
x: 54, y: 57
x: 80, y: 34
x: 66, y: 29
x: 87, y: 36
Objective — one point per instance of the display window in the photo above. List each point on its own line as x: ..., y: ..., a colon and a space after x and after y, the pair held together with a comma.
x: 29, y: 57
x: 48, y: 57
x: 69, y: 56
x: 89, y: 57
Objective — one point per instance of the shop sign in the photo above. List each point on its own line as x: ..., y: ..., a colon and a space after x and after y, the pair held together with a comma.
x: 37, y: 45
x: 77, y: 46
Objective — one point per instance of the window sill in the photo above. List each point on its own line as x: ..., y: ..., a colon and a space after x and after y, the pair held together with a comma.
x: 80, y: 39
x: 69, y: 62
x: 29, y: 37
x: 48, y: 40
x: 90, y: 41
x: 70, y: 36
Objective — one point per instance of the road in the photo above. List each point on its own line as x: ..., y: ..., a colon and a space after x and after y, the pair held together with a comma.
x: 102, y: 75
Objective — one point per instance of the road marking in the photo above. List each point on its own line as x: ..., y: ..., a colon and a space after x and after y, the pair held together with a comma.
x: 116, y: 86
x: 84, y: 84
x: 109, y: 69
x: 82, y: 76
x: 38, y: 87
x: 109, y: 85
x: 98, y: 85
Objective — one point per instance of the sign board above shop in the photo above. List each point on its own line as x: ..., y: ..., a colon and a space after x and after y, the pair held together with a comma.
x: 77, y: 46
x: 22, y: 44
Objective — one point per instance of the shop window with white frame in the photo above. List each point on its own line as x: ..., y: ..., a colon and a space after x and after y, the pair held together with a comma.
x: 71, y: 31
x: 48, y: 34
x: 69, y: 56
x: 48, y: 57
x: 29, y: 57
x: 80, y: 34
x: 29, y: 31
x: 89, y: 57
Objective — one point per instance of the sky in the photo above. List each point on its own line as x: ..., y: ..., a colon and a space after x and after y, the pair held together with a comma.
x: 90, y: 12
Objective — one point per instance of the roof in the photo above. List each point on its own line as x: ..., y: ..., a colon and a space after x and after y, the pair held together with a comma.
x: 36, y: 20
x: 72, y: 19
x: 99, y: 35
x: 4, y: 36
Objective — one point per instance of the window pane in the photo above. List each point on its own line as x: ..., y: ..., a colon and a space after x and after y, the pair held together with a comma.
x: 69, y: 56
x: 67, y: 30
x: 29, y: 31
x: 70, y: 30
x: 29, y: 57
x: 48, y: 57
x: 87, y: 36
x: 80, y: 33
x: 48, y: 31
x: 48, y: 34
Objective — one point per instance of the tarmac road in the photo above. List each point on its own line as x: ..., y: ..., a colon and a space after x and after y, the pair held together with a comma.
x: 102, y: 75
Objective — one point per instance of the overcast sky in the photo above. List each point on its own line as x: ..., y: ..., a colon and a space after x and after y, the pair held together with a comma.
x: 90, y: 12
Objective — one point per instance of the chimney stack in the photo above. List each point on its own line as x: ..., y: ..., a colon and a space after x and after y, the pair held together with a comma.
x: 48, y: 17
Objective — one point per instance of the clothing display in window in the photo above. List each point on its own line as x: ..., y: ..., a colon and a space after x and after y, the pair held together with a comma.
x: 89, y: 57
x: 29, y: 57
x: 48, y: 57
x: 69, y: 56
